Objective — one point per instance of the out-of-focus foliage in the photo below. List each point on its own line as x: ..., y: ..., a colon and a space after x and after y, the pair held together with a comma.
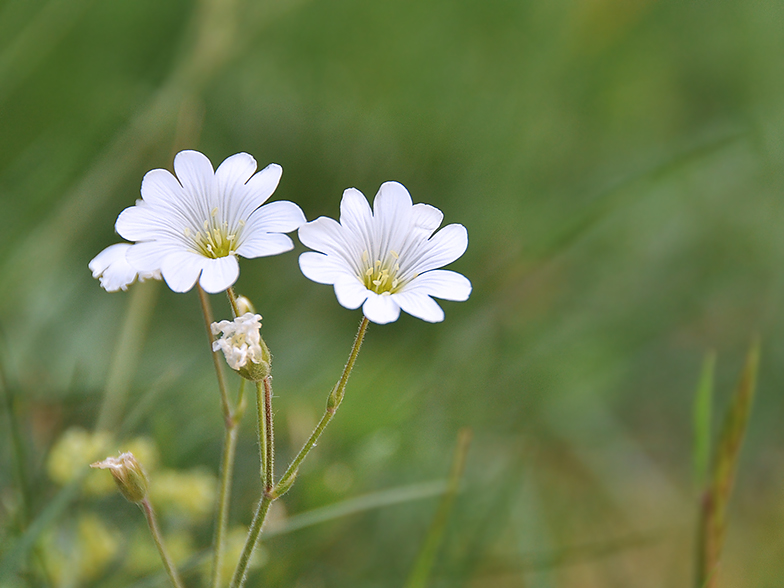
x: 619, y: 167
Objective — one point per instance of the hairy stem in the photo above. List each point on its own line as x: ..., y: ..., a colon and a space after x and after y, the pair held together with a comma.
x: 241, y: 572
x: 216, y: 360
x: 262, y: 430
x: 333, y: 402
x: 233, y: 301
x: 227, y: 469
x: 269, y: 464
x: 272, y: 492
x: 149, y: 513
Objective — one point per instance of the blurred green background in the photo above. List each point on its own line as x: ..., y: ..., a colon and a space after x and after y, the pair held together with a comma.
x: 618, y: 165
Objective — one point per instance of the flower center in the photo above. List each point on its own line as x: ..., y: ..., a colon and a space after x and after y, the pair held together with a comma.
x: 380, y: 276
x: 215, y: 239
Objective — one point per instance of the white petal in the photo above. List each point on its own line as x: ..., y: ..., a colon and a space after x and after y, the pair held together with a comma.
x: 350, y: 292
x: 392, y: 211
x: 107, y: 257
x: 324, y: 269
x: 258, y: 189
x: 112, y: 268
x: 148, y: 257
x: 426, y: 218
x: 323, y: 234
x: 392, y: 197
x: 218, y: 274
x: 327, y: 236
x: 380, y: 309
x: 443, y: 248
x: 264, y: 244
x: 161, y: 188
x: 195, y: 173
x: 276, y: 217
x: 420, y: 305
x: 181, y: 269
x: 145, y: 222
x: 355, y: 213
x: 444, y: 284
x: 234, y: 171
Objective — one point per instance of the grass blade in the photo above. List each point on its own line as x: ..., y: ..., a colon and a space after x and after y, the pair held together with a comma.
x: 703, y: 414
x: 713, y: 520
x: 420, y: 574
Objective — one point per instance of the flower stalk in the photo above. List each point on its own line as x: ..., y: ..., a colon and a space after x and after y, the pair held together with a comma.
x: 231, y: 419
x: 269, y: 436
x: 224, y: 497
x: 273, y: 492
x: 261, y: 414
x: 171, y: 570
x: 333, y: 402
x: 208, y: 320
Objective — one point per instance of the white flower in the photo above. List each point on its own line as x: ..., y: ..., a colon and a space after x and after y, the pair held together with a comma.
x: 193, y: 226
x: 240, y: 341
x: 385, y: 259
x: 114, y: 271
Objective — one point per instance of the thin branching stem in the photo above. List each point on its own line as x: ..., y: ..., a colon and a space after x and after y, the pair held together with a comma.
x: 231, y: 419
x: 269, y: 464
x: 227, y: 470
x: 241, y: 572
x: 262, y: 430
x: 335, y: 398
x: 233, y: 301
x: 272, y: 492
x: 216, y: 360
x: 171, y: 570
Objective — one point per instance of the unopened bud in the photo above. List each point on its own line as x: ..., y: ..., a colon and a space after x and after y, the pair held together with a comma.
x: 335, y: 398
x: 284, y: 485
x: 128, y: 474
x: 244, y: 306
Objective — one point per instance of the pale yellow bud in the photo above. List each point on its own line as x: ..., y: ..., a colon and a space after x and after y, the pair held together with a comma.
x: 128, y: 474
x: 244, y: 305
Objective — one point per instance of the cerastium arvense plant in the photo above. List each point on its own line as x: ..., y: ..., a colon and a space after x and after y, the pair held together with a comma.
x: 189, y: 229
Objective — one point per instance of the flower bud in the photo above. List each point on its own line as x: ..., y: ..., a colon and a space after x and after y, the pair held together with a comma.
x: 284, y: 485
x: 128, y: 474
x: 244, y: 306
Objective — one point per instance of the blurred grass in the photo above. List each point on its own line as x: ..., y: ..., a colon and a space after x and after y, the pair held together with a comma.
x: 618, y: 167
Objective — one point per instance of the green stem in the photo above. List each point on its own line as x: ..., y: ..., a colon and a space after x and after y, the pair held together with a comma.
x: 241, y: 572
x: 262, y: 429
x: 158, y: 538
x: 216, y: 360
x: 231, y: 419
x: 333, y: 402
x: 270, y: 435
x: 227, y: 469
x: 271, y: 492
x: 233, y: 301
